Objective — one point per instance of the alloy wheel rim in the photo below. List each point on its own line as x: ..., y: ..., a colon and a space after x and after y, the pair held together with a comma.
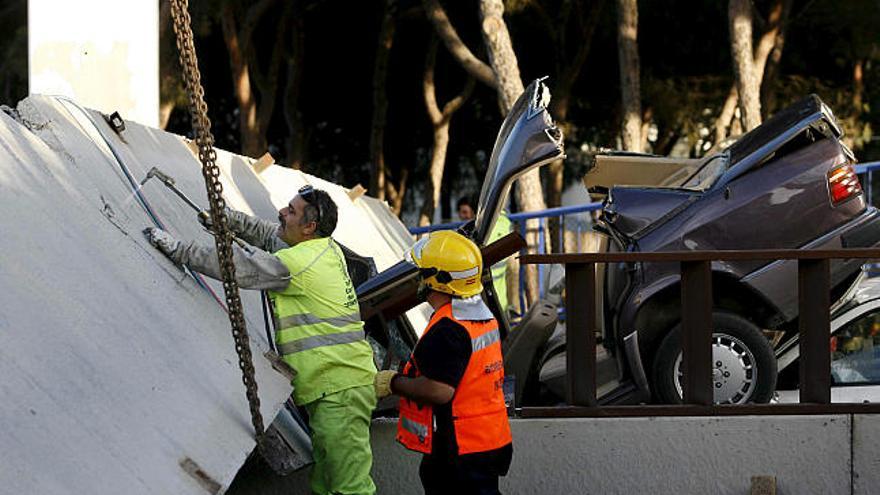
x: 734, y: 370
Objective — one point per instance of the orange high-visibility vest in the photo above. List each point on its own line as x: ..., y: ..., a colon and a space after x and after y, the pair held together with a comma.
x: 478, y: 411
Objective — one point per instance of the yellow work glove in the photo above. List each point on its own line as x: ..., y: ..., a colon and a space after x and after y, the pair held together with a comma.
x: 382, y: 382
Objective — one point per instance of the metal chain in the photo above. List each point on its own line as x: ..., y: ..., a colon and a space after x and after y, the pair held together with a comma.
x: 222, y: 237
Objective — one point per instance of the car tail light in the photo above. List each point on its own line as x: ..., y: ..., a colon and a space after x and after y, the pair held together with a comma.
x: 843, y: 184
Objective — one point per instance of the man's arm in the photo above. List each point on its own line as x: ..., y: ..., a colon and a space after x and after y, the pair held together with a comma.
x: 254, y: 268
x: 422, y: 390
x: 255, y: 231
x: 442, y: 356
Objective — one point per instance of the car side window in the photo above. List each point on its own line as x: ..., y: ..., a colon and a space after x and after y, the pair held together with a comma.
x: 855, y: 351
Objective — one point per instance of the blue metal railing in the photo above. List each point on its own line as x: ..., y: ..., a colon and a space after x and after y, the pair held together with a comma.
x: 520, y: 220
x: 866, y: 170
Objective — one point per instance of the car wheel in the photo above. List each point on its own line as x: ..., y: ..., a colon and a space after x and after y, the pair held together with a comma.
x: 743, y: 364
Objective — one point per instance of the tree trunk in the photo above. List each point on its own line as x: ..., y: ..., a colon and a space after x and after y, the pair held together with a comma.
x: 395, y: 193
x: 858, y: 87
x: 241, y: 85
x: 438, y: 162
x: 852, y: 140
x: 267, y: 84
x: 295, y: 144
x: 529, y: 193
x: 771, y: 67
x: 440, y: 120
x: 380, y: 103
x: 502, y: 58
x: 165, y: 109
x: 628, y: 50
x: 170, y: 89
x: 771, y: 43
x: 747, y: 82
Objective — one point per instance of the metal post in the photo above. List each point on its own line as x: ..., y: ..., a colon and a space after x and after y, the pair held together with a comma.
x: 814, y: 282
x: 522, y: 273
x: 561, y: 232
x: 696, y: 332
x: 580, y: 332
x: 542, y: 249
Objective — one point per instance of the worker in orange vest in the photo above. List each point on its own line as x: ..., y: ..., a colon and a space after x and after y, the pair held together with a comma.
x: 451, y: 399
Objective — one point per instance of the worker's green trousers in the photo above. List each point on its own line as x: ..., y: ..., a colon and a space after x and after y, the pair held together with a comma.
x: 340, y: 426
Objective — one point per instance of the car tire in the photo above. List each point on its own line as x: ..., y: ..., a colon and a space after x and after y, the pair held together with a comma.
x: 743, y: 368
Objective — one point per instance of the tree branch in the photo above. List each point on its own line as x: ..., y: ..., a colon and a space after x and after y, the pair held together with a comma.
x: 474, y: 66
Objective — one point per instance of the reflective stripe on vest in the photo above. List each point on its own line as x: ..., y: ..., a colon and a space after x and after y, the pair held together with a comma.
x: 478, y: 410
x: 310, y: 319
x: 485, y: 340
x: 416, y: 429
x: 320, y: 341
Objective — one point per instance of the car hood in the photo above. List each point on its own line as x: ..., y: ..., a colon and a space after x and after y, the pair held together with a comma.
x: 528, y: 138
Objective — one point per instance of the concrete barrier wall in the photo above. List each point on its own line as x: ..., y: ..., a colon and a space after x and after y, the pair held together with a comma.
x: 866, y: 455
x: 806, y: 454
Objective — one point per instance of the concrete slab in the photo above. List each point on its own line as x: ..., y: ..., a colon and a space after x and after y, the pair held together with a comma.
x: 118, y: 367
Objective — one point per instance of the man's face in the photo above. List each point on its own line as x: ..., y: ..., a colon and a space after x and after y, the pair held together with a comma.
x: 291, y: 229
x: 465, y: 212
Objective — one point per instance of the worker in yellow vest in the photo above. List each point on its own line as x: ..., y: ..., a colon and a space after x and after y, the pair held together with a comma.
x: 451, y: 400
x: 467, y: 211
x: 319, y: 332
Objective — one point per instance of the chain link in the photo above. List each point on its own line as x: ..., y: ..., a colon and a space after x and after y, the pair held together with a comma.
x: 222, y: 237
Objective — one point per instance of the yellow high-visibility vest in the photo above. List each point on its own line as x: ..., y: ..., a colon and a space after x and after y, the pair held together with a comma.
x: 318, y: 324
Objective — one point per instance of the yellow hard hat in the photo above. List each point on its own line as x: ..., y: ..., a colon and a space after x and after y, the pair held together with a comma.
x: 451, y: 262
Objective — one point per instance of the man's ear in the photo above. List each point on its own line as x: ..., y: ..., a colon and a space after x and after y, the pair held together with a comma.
x: 310, y: 228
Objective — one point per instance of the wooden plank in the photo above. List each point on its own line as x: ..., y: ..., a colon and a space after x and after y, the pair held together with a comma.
x: 694, y: 410
x: 728, y: 255
x: 263, y: 163
x: 763, y: 485
x: 580, y: 303
x: 356, y: 192
x: 814, y: 282
x: 696, y: 332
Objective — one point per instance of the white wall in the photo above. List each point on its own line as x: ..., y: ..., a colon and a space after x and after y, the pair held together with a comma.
x: 102, y: 53
x: 828, y: 454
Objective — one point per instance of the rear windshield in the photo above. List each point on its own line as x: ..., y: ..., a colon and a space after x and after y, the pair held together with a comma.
x: 707, y: 174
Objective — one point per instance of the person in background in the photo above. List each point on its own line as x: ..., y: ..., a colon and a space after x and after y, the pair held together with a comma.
x: 467, y: 211
x: 452, y: 406
x: 319, y: 332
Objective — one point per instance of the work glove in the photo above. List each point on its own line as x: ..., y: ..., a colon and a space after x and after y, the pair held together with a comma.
x: 382, y: 382
x: 161, y: 240
x: 204, y: 217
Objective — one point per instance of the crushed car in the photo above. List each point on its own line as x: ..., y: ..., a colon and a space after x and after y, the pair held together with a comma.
x: 789, y: 183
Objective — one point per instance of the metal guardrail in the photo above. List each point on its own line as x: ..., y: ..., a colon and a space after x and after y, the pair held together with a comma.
x: 814, y: 284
